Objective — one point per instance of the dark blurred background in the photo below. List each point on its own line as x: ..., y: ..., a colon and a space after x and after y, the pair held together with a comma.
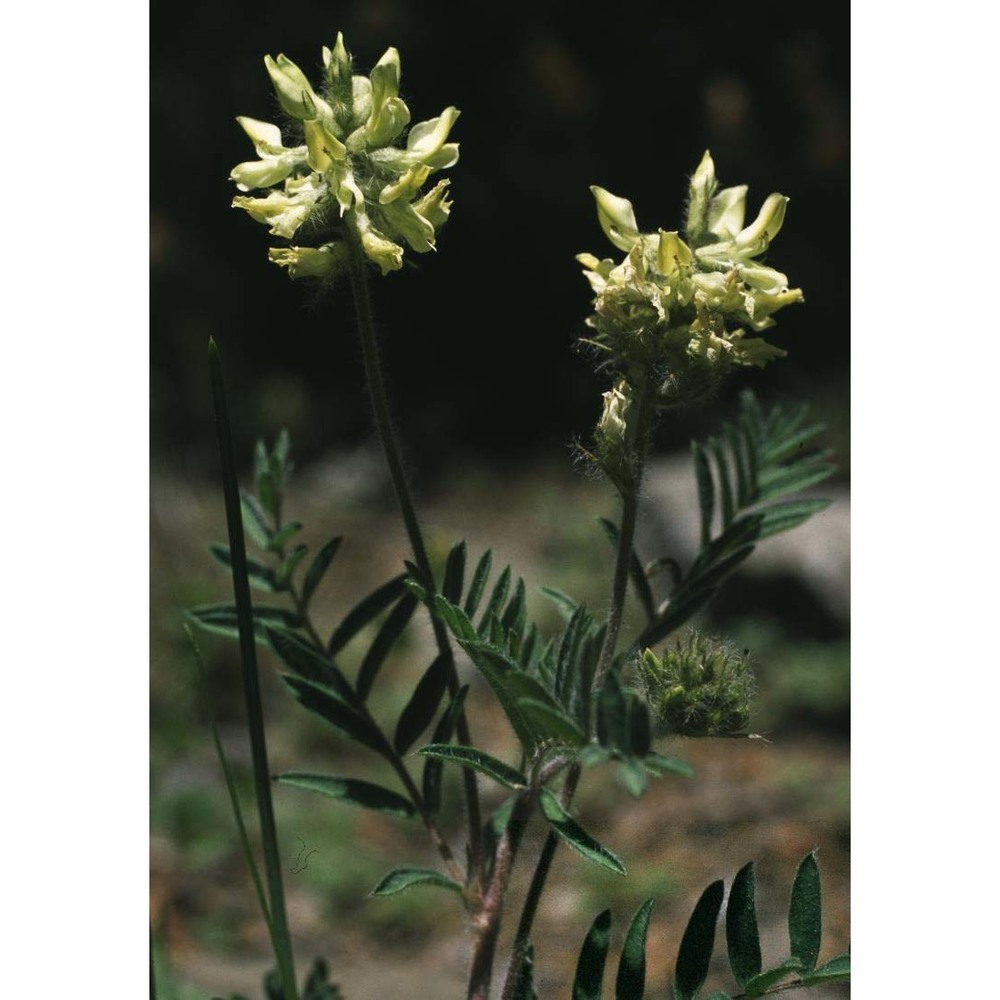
x: 477, y: 338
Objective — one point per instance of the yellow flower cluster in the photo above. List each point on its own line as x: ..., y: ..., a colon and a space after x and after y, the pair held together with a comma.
x: 346, y: 173
x: 671, y: 303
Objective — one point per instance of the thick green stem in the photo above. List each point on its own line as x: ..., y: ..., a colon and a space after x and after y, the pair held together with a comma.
x: 281, y: 939
x: 390, y: 447
x: 619, y: 588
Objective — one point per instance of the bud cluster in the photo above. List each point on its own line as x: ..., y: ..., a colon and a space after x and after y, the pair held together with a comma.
x: 678, y: 307
x: 700, y: 687
x: 346, y: 171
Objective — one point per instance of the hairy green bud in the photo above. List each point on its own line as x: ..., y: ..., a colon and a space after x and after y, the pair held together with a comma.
x: 702, y: 686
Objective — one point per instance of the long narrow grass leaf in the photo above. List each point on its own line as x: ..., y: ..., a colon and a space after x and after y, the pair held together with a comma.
x: 631, y: 981
x: 234, y: 799
x: 364, y: 612
x: 352, y: 791
x: 385, y: 639
x: 574, y: 834
x: 251, y: 682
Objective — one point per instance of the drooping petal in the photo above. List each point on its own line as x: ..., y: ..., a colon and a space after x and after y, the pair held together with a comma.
x: 262, y: 173
x: 757, y: 236
x: 265, y: 137
x: 435, y: 206
x: 402, y: 220
x: 726, y: 212
x: 617, y: 218
x: 406, y: 186
x: 426, y: 138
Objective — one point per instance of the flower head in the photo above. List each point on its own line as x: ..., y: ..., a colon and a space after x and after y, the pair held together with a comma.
x: 349, y: 172
x: 679, y: 304
x: 699, y: 687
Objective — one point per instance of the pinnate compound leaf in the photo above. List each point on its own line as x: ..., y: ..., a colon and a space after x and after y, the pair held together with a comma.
x: 804, y: 914
x: 383, y: 642
x: 400, y: 879
x: 261, y: 576
x: 593, y: 955
x: 366, y: 611
x: 318, y: 567
x: 631, y: 981
x: 478, y: 760
x: 499, y: 671
x: 574, y: 834
x: 222, y: 619
x: 352, y: 791
x: 345, y: 718
x: 837, y: 968
x: 742, y: 937
x: 307, y: 661
x: 695, y: 952
x: 423, y: 704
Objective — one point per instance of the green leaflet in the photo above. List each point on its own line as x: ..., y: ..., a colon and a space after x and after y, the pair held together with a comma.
x: 304, y: 659
x: 478, y: 584
x: 431, y: 779
x: 400, y: 879
x: 364, y: 612
x: 696, y: 946
x: 804, y: 914
x: 742, y: 938
x: 631, y: 981
x: 318, y: 567
x: 255, y: 520
x: 762, y: 983
x: 478, y: 760
x: 261, y: 576
x: 836, y: 969
x: 346, y: 719
x: 593, y: 955
x: 706, y: 491
x: 454, y: 573
x: 223, y: 619
x: 352, y: 791
x: 383, y: 642
x: 574, y: 834
x: 423, y: 704
x: 612, y: 714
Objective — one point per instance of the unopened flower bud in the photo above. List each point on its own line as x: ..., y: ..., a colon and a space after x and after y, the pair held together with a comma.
x: 617, y: 218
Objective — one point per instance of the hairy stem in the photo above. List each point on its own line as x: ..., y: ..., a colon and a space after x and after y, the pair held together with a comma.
x: 619, y: 588
x: 390, y: 447
x: 487, y: 924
